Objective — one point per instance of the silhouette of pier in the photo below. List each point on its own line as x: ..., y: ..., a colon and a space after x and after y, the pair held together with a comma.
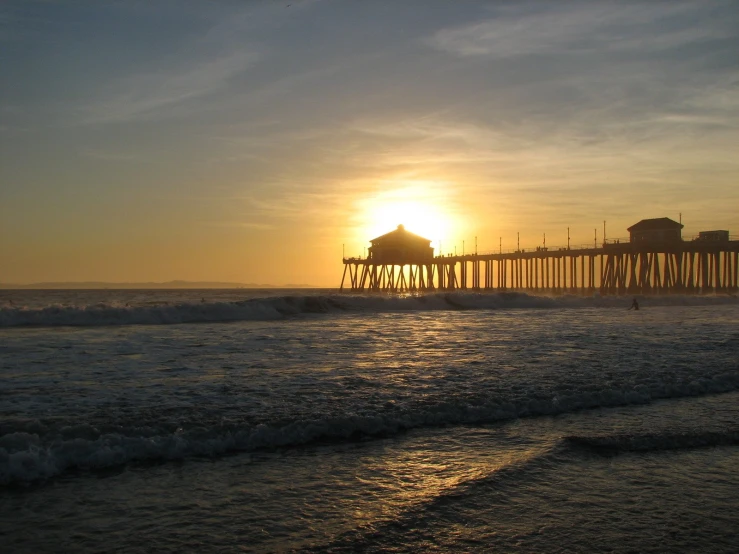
x: 653, y: 260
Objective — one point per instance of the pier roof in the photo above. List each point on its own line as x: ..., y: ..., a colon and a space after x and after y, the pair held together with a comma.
x: 655, y: 224
x: 401, y: 235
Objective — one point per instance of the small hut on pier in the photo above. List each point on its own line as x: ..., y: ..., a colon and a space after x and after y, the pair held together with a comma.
x: 714, y: 236
x: 659, y: 230
x: 401, y: 247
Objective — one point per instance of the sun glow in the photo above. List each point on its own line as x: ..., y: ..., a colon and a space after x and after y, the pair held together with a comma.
x: 422, y: 208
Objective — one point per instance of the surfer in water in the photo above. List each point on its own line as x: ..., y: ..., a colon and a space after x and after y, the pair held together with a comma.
x: 634, y: 305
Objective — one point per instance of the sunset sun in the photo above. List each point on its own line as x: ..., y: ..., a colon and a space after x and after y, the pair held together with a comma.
x: 421, y: 213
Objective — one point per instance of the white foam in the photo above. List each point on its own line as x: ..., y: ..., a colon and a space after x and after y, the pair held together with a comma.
x: 28, y: 457
x: 280, y: 307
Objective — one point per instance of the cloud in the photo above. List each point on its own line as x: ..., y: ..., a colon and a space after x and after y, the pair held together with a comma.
x: 110, y: 155
x: 292, y: 204
x: 555, y: 28
x: 147, y: 94
x: 255, y: 225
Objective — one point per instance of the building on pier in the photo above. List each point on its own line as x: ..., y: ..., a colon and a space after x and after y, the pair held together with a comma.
x: 659, y: 230
x: 397, y: 261
x: 400, y: 247
x: 714, y: 236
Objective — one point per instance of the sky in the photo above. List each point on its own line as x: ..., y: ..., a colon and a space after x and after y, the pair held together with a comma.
x: 257, y: 141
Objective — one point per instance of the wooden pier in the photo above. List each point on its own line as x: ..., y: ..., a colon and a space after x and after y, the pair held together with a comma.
x: 647, y: 267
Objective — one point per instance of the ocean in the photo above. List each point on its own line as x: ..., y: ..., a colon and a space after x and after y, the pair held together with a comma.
x: 311, y: 421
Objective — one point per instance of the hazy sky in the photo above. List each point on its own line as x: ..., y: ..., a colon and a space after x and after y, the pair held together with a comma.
x: 248, y: 140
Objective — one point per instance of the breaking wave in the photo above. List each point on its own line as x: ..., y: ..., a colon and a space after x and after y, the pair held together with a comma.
x: 27, y: 455
x: 615, y: 444
x: 280, y: 307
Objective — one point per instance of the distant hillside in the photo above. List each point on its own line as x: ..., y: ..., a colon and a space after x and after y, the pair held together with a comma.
x: 166, y: 285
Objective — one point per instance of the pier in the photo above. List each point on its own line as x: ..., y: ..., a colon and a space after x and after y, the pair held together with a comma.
x: 652, y: 261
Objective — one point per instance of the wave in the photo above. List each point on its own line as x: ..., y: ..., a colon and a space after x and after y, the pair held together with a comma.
x: 649, y: 442
x: 281, y: 307
x: 391, y: 528
x: 518, y: 472
x: 27, y: 456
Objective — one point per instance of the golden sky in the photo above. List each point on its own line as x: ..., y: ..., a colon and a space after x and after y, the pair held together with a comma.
x: 252, y: 141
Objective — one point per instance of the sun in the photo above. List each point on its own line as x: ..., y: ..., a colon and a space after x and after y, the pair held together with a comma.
x: 419, y: 207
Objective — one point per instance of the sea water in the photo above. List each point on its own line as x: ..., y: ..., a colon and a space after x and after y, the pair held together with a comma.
x: 264, y: 421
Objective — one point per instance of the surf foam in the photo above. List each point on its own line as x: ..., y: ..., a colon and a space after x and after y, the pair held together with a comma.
x: 281, y: 307
x: 28, y: 457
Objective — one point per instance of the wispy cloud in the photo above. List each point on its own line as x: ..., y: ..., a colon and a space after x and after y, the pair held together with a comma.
x: 255, y: 225
x: 295, y: 205
x: 110, y: 155
x: 146, y: 94
x: 555, y: 28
